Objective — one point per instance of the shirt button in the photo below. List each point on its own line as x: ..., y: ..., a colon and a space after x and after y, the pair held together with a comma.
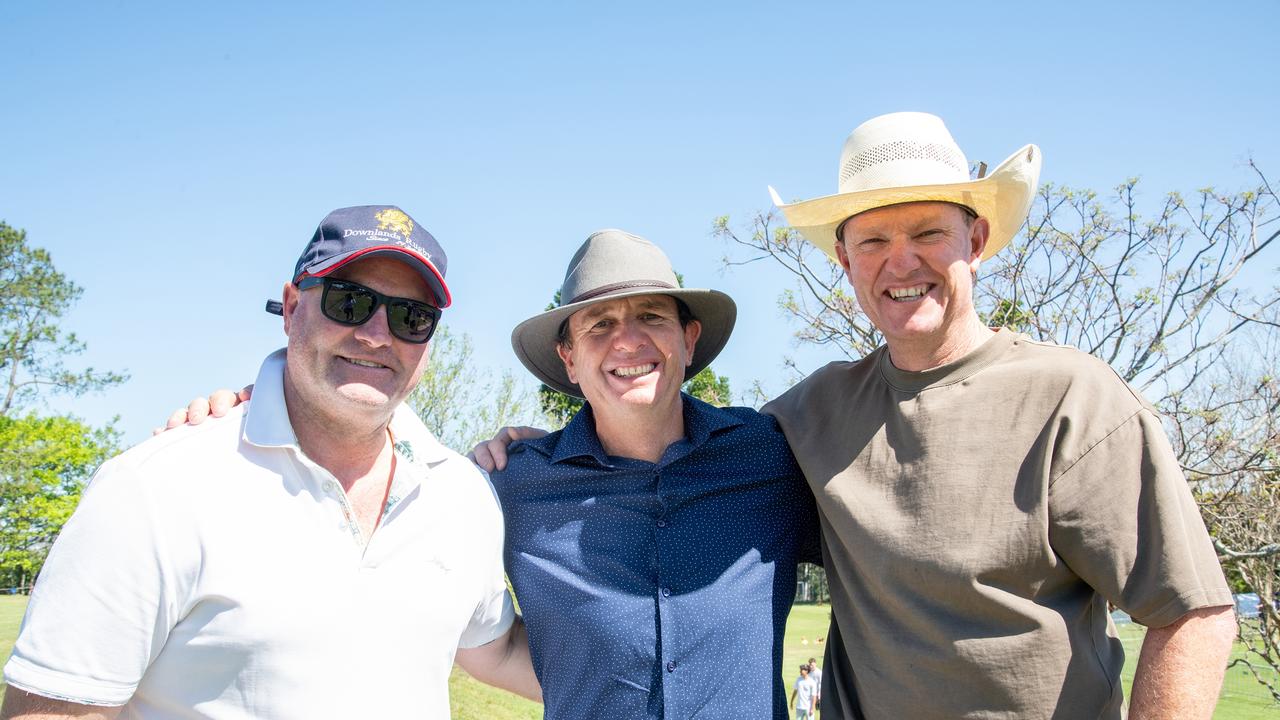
x: 671, y: 666
x: 662, y: 522
x: 329, y: 486
x: 666, y: 592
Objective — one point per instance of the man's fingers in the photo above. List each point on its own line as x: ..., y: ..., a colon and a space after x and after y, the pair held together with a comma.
x: 521, y: 432
x: 498, y: 451
x: 245, y: 393
x: 221, y: 401
x: 492, y: 454
x: 197, y: 411
x: 480, y: 456
x: 178, y: 417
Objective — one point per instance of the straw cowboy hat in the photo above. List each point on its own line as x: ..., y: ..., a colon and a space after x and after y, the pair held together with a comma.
x: 614, y: 264
x: 911, y: 157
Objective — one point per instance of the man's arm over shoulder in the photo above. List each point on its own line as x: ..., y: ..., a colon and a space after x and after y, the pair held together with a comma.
x: 504, y: 663
x: 22, y: 705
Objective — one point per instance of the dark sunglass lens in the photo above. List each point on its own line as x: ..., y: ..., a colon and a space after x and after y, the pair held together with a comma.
x: 411, y: 321
x: 349, y: 304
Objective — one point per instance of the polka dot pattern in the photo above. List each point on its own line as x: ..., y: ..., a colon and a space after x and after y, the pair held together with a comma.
x: 659, y: 590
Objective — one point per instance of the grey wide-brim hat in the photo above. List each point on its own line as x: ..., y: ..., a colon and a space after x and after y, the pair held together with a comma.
x: 614, y: 264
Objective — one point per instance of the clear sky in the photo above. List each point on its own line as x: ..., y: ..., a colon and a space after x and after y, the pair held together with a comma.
x: 175, y: 157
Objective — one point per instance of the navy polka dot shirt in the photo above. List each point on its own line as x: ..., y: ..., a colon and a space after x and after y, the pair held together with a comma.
x: 659, y: 590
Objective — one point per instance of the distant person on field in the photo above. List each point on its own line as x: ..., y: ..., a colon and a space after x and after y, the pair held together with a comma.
x: 804, y: 694
x: 815, y: 672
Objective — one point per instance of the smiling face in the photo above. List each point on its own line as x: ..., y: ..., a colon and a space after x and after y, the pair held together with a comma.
x: 338, y: 370
x: 630, y: 353
x: 912, y: 267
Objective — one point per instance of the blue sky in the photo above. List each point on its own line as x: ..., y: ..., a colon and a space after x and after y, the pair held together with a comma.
x: 175, y: 157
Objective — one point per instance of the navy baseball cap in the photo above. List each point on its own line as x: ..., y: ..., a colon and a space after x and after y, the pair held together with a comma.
x: 352, y: 233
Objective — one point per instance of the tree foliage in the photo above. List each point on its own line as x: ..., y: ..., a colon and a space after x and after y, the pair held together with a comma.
x: 462, y: 404
x: 34, y: 296
x: 1182, y: 302
x: 44, y: 463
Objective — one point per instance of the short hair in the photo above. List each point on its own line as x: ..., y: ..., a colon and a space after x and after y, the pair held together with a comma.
x: 683, y: 313
x: 804, y: 667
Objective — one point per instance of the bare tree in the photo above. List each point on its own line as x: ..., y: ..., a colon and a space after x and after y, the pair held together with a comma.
x: 463, y: 404
x: 1182, y: 303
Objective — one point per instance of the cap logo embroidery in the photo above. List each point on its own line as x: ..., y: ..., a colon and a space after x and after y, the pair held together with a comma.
x: 395, y: 221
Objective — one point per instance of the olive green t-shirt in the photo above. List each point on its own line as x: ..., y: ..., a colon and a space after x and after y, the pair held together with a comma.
x: 977, y: 518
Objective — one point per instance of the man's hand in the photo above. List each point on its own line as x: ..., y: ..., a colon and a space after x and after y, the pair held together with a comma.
x: 1180, y: 669
x: 491, y: 455
x: 217, y: 405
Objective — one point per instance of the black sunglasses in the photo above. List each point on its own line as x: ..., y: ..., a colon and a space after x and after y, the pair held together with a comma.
x: 348, y: 303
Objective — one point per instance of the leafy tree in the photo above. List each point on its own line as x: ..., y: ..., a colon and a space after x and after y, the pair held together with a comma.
x: 1181, y: 302
x: 559, y: 408
x: 33, y: 346
x: 463, y: 404
x: 44, y: 463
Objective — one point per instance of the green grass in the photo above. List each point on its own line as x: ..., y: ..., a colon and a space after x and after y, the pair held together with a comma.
x: 1242, y: 699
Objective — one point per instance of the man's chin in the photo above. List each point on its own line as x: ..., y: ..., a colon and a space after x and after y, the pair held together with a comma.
x: 364, y: 395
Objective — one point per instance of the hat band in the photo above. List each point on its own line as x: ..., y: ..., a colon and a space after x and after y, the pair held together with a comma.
x: 606, y: 289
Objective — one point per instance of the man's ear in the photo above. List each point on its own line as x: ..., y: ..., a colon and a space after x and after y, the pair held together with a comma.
x: 692, y: 332
x: 843, y: 256
x: 289, y: 301
x: 979, y: 231
x: 566, y: 356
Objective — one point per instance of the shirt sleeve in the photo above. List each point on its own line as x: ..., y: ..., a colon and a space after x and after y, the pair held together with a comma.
x: 1123, y: 519
x: 495, y: 613
x: 101, y: 608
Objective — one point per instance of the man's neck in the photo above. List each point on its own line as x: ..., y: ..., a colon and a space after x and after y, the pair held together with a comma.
x: 914, y: 357
x: 642, y: 434
x: 349, y: 449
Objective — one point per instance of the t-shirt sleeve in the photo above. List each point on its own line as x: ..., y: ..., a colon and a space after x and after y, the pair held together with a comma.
x: 1123, y: 519
x: 102, y: 606
x: 494, y: 613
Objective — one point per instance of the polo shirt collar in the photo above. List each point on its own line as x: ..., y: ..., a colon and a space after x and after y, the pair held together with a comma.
x: 579, y: 438
x: 267, y: 421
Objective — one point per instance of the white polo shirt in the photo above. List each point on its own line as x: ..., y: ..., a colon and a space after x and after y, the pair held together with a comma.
x: 215, y: 571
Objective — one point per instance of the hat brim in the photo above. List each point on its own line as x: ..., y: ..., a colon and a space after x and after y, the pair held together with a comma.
x: 424, y: 266
x: 535, y: 339
x: 1003, y: 197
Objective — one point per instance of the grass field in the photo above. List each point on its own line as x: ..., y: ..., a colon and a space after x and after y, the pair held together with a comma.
x: 1242, y: 699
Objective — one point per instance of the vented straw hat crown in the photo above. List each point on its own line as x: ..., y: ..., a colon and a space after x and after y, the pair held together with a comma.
x: 911, y: 157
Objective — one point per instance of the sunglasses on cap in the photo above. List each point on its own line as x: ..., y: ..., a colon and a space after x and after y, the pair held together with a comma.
x: 348, y: 303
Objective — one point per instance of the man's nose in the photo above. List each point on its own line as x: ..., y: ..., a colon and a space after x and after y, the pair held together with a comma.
x: 629, y: 335
x: 903, y: 258
x: 375, y: 332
